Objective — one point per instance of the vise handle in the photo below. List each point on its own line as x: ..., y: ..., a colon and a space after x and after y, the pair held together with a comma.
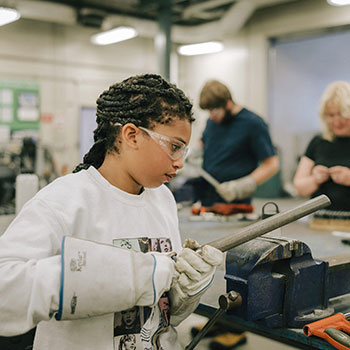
x: 278, y: 220
x: 227, y: 301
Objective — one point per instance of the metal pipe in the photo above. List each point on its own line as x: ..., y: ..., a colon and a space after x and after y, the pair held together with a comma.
x: 163, y: 38
x: 278, y: 220
x: 208, y: 177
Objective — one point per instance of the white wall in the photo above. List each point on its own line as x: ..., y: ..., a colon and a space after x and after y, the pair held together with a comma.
x: 229, y: 66
x: 71, y: 73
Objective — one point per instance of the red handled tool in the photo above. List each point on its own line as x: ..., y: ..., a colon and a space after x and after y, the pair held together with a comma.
x: 333, y: 329
x: 224, y: 209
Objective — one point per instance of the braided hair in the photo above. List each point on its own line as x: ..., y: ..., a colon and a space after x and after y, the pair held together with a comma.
x: 143, y: 100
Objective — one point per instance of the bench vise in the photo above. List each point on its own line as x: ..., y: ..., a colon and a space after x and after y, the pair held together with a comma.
x: 281, y: 284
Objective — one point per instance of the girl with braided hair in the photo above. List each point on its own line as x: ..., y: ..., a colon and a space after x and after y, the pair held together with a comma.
x: 63, y: 266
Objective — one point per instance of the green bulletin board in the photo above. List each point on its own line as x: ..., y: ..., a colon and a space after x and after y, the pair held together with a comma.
x: 19, y: 105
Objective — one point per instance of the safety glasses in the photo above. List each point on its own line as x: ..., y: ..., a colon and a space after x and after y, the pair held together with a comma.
x: 172, y: 146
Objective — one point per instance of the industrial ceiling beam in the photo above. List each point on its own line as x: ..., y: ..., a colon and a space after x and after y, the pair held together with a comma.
x: 163, y: 38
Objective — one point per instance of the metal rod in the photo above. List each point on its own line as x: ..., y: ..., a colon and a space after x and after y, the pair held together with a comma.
x: 208, y: 177
x: 271, y: 223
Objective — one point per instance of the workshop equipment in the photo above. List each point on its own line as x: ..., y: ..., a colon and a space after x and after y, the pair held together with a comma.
x: 281, y: 284
x: 244, y: 237
x: 223, y: 209
x: 333, y: 220
x: 265, y: 213
x: 227, y: 302
x: 332, y: 329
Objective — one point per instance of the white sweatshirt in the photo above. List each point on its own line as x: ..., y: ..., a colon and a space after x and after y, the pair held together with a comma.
x: 83, y: 205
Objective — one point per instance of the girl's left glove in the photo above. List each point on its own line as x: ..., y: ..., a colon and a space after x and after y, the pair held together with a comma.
x: 194, y: 272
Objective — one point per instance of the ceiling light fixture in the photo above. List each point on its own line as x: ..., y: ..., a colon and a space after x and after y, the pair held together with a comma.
x: 8, y: 15
x: 201, y: 48
x: 114, y: 36
x: 338, y: 2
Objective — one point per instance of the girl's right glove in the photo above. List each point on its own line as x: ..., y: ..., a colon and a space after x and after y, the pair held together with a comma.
x: 194, y: 273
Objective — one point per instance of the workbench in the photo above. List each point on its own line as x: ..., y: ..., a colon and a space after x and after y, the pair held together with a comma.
x: 322, y: 244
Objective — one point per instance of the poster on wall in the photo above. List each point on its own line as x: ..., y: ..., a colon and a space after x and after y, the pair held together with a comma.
x: 19, y: 105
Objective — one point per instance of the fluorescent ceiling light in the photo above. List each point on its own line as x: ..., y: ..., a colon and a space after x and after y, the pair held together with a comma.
x: 338, y: 2
x: 8, y: 15
x: 200, y: 49
x: 114, y: 36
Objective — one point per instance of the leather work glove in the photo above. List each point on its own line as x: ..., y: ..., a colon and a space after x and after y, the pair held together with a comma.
x: 98, y: 279
x: 241, y: 188
x: 194, y: 272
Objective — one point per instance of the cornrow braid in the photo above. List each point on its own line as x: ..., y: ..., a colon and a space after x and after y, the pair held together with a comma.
x: 143, y: 100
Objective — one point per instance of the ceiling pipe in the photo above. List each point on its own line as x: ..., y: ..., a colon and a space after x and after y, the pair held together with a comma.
x: 197, y: 10
x: 232, y: 21
x: 163, y: 38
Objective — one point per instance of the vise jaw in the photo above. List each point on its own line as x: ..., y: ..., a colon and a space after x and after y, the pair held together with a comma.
x: 280, y: 283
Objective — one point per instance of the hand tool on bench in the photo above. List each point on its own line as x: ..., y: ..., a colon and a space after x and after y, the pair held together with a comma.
x: 332, y: 329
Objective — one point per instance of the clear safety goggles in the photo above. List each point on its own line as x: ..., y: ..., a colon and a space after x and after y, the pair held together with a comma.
x: 172, y: 146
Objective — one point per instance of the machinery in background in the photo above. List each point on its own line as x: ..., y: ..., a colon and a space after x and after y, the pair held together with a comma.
x: 24, y: 156
x: 7, y: 189
x: 224, y: 212
x: 331, y: 220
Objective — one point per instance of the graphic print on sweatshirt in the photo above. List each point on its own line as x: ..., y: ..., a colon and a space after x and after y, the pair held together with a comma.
x: 140, y: 327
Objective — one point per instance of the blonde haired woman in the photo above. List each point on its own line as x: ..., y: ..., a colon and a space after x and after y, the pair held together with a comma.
x: 324, y: 169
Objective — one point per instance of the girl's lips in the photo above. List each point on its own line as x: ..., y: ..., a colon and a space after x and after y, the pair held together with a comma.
x: 170, y: 176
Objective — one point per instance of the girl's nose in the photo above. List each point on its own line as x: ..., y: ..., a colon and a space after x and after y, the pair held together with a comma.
x: 179, y: 163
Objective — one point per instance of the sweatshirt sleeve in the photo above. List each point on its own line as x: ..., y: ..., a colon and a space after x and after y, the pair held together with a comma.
x: 84, y: 279
x: 30, y: 268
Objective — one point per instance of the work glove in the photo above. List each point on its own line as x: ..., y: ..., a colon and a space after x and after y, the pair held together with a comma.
x: 194, y: 272
x: 99, y: 279
x: 241, y: 188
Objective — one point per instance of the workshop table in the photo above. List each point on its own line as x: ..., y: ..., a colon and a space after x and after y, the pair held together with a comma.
x: 321, y: 243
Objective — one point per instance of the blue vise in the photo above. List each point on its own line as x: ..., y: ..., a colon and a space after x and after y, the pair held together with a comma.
x: 280, y: 283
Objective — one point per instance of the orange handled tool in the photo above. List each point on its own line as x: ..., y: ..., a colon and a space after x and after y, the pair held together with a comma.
x: 332, y: 329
